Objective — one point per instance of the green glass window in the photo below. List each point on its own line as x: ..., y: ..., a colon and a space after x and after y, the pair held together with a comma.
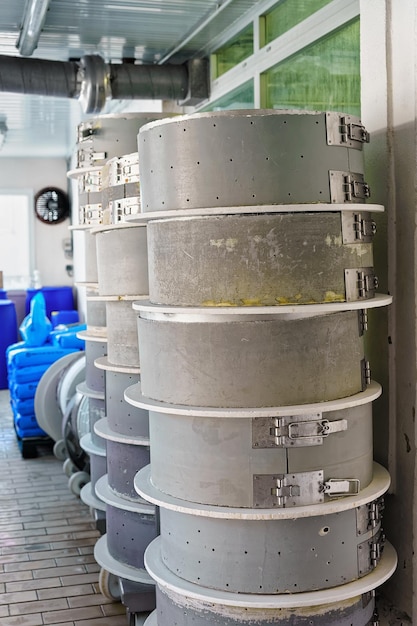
x: 241, y: 98
x: 287, y: 14
x: 323, y: 76
x: 236, y: 50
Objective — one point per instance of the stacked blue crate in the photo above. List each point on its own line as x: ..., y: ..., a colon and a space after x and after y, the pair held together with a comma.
x: 25, y: 366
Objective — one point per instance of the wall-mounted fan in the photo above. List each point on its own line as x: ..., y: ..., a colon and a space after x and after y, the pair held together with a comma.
x: 51, y: 205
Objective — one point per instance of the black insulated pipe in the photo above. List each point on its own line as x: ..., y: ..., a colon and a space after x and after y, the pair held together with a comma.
x: 153, y: 82
x: 38, y: 77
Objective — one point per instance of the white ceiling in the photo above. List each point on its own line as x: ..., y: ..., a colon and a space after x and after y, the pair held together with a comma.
x: 150, y: 31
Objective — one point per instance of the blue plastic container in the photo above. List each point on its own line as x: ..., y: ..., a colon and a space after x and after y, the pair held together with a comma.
x: 64, y: 317
x: 8, y: 336
x: 3, y: 294
x: 56, y: 299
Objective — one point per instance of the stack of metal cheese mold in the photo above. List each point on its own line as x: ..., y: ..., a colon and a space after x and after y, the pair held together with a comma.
x: 100, y: 142
x: 120, y: 251
x: 254, y: 373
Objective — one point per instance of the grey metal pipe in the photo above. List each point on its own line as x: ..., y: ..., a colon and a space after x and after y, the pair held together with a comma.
x: 39, y: 77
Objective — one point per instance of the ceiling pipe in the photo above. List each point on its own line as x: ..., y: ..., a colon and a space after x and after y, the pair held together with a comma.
x: 93, y: 81
x: 33, y: 21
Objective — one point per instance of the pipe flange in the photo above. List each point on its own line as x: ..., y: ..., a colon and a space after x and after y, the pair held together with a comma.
x: 94, y: 76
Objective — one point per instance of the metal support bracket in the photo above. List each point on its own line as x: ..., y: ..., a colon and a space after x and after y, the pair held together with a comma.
x: 357, y: 227
x: 348, y: 187
x: 345, y: 130
x: 303, y: 488
x: 293, y: 430
x: 360, y: 283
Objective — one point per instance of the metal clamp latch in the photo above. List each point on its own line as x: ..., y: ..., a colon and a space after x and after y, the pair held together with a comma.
x: 85, y: 131
x: 119, y: 209
x: 287, y: 490
x: 336, y: 487
x: 357, y: 227
x: 353, y: 132
x: 355, y: 188
x: 91, y: 214
x: 302, y: 488
x: 347, y: 187
x: 293, y: 430
x: 364, y: 227
x: 98, y: 156
x: 345, y: 130
x: 360, y: 283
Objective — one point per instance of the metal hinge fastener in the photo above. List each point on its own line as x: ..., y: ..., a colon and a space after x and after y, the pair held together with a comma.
x: 360, y: 283
x: 345, y: 130
x: 293, y: 430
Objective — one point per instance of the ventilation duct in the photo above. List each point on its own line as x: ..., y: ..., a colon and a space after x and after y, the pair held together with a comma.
x: 93, y: 81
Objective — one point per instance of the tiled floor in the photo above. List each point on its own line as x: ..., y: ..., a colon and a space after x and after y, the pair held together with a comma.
x: 48, y: 575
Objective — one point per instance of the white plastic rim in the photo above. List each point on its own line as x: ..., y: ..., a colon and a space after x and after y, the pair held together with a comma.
x: 103, y: 363
x: 80, y: 171
x: 152, y: 619
x: 107, y: 227
x: 161, y: 312
x: 255, y: 209
x: 115, y: 298
x: 90, y: 393
x: 133, y: 395
x: 90, y: 499
x: 144, y: 487
x: 89, y: 446
x: 109, y: 563
x: 168, y: 580
x: 107, y: 495
x: 88, y: 336
x: 98, y: 331
x: 101, y: 428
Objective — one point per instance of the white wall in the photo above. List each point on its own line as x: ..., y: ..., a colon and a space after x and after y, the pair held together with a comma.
x: 35, y: 174
x: 388, y: 71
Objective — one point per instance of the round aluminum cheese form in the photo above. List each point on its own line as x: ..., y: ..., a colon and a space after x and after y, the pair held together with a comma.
x: 261, y: 157
x: 173, y: 608
x: 262, y: 555
x: 90, y: 256
x: 125, y: 457
x: 122, y: 260
x: 95, y: 314
x: 130, y: 526
x: 217, y: 460
x: 95, y: 347
x: 263, y: 259
x: 122, y: 332
x: 254, y: 609
x: 123, y: 417
x: 108, y: 136
x: 98, y: 459
x: 237, y: 360
x: 110, y: 564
